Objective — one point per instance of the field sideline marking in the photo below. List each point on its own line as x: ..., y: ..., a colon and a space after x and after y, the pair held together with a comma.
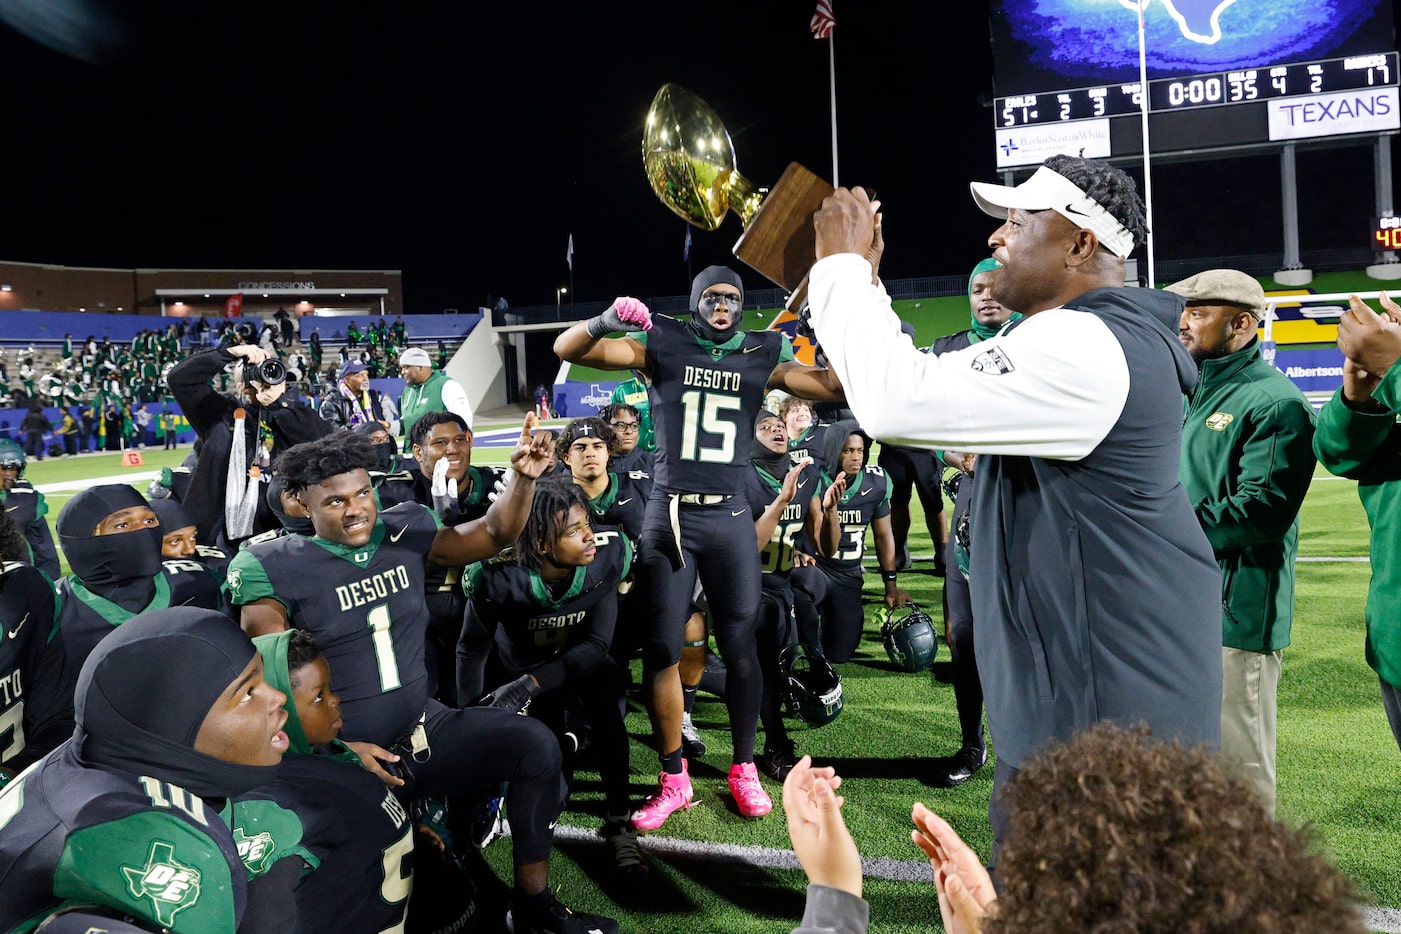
x: 72, y: 486
x: 1387, y: 920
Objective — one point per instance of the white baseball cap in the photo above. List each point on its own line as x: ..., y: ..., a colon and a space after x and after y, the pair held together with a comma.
x: 1048, y: 190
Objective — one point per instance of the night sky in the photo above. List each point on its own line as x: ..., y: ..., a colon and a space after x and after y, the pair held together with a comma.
x: 465, y: 144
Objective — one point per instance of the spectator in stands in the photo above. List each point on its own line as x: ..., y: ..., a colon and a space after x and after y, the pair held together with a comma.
x: 428, y: 391
x: 35, y: 425
x: 352, y: 335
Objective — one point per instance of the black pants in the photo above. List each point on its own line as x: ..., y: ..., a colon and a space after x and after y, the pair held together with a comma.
x: 479, y: 747
x: 830, y: 614
x: 912, y: 470
x: 717, y: 543
x: 958, y: 612
x: 775, y: 632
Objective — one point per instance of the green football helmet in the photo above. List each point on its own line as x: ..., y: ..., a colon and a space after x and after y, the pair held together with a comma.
x: 909, y: 637
x: 11, y: 455
x: 812, y: 689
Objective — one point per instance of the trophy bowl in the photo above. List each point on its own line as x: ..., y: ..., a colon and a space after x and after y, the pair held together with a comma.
x: 690, y: 164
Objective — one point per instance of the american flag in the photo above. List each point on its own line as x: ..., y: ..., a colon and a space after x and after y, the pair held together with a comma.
x: 822, y: 20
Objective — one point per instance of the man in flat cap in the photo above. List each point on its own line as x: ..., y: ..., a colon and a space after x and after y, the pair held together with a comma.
x: 1094, y: 590
x: 428, y: 390
x: 1247, y: 459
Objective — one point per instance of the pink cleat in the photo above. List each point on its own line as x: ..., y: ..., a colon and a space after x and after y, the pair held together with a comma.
x: 674, y: 793
x: 750, y: 798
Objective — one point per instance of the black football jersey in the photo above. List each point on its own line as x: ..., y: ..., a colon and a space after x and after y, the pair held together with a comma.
x: 704, y: 399
x: 85, y: 617
x: 354, y: 837
x: 636, y: 459
x: 624, y: 502
x: 365, y: 609
x: 534, y: 629
x: 867, y: 498
x: 99, y: 836
x: 810, y: 446
x: 472, y: 503
x: 776, y: 557
x: 36, y: 682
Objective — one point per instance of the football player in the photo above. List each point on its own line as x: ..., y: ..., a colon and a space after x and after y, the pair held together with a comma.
x: 629, y: 452
x: 173, y: 715
x: 26, y: 508
x: 787, y: 520
x: 616, y: 497
x: 828, y: 592
x: 325, y: 838
x: 708, y: 378
x: 442, y: 477
x: 550, y: 615
x: 357, y: 586
x: 179, y: 537
x: 112, y: 540
x: 36, y: 682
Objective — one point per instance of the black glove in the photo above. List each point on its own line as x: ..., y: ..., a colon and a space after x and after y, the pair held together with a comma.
x: 514, y: 696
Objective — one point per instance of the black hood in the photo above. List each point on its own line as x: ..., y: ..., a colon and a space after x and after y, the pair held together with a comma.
x: 144, y: 693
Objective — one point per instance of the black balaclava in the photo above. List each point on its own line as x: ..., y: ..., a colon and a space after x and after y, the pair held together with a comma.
x: 775, y: 465
x: 713, y: 275
x: 119, y: 567
x: 297, y: 525
x: 144, y: 692
x: 173, y: 516
x: 835, y: 440
x: 385, y: 452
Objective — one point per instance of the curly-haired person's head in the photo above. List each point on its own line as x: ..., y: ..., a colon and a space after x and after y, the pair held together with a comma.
x: 1114, y: 831
x: 548, y: 520
x: 1111, y: 188
x: 307, y: 464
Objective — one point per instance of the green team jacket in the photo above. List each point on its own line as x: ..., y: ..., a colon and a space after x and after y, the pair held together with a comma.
x: 1247, y: 459
x: 417, y: 401
x: 1364, y: 446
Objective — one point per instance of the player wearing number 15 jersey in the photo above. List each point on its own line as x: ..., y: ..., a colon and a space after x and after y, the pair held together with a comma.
x: 357, y: 587
x: 709, y: 378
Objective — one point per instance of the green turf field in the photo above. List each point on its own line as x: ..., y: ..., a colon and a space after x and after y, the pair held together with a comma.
x: 1337, y: 760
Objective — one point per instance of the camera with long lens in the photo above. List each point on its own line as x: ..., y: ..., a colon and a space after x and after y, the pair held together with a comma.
x: 269, y: 372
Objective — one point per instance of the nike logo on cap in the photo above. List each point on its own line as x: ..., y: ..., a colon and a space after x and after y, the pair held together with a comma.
x: 1072, y: 210
x: 18, y: 626
x: 399, y: 534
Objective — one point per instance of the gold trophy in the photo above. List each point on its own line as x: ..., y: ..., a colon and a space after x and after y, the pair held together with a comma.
x: 690, y: 164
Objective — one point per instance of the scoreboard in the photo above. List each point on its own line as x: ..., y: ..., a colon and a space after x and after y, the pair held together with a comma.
x: 1252, y: 101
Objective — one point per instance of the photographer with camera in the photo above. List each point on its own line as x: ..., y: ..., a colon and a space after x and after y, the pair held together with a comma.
x: 242, y: 436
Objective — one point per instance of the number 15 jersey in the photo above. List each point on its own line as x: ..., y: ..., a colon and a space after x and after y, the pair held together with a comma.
x: 704, y: 399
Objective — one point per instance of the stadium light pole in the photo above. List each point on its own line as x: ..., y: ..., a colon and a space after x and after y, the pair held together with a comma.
x: 559, y: 294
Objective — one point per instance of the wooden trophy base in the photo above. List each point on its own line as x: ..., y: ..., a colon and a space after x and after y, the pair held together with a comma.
x: 780, y: 241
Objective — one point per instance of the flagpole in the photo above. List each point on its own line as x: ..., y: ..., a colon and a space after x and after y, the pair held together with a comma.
x: 832, y: 71
x: 1147, y: 164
